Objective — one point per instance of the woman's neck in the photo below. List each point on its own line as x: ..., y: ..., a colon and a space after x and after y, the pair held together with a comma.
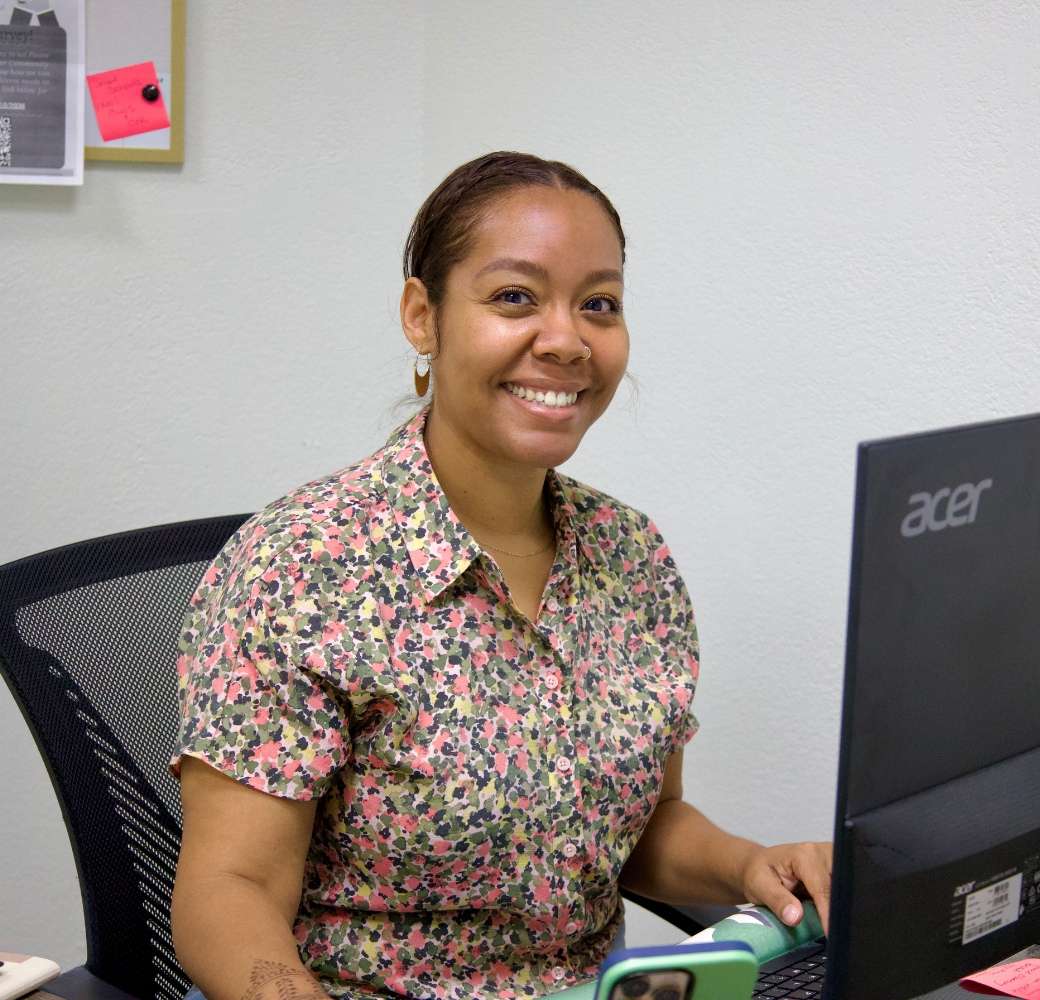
x: 495, y: 501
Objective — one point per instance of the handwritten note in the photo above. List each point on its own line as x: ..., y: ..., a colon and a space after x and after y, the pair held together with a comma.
x: 120, y: 106
x: 1016, y: 979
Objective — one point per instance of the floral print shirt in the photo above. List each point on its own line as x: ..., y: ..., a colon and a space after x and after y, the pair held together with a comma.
x: 482, y: 777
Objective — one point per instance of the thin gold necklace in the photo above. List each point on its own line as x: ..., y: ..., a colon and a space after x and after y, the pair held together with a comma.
x: 519, y: 555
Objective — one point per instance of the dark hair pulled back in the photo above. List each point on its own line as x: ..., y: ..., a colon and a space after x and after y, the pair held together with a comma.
x: 442, y: 233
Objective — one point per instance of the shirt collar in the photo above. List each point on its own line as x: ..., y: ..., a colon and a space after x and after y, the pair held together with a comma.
x: 439, y: 546
x: 565, y: 517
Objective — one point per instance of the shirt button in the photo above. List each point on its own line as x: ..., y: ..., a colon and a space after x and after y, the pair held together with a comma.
x: 569, y: 850
x: 571, y: 927
x: 559, y: 972
x: 563, y: 764
x: 552, y: 681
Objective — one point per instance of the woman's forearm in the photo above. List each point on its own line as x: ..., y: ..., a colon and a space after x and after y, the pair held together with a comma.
x: 682, y: 858
x: 234, y: 942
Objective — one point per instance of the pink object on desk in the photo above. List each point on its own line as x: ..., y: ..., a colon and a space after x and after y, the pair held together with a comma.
x: 125, y: 102
x: 1016, y: 979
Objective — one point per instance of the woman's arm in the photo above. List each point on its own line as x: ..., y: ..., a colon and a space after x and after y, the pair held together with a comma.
x: 682, y: 857
x: 238, y: 888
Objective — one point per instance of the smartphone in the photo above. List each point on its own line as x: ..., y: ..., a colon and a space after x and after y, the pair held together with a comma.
x: 722, y: 970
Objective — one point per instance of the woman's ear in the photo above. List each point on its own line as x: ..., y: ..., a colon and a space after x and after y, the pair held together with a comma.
x: 417, y: 317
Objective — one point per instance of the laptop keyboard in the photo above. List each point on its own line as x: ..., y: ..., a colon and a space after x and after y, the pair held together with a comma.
x: 801, y: 980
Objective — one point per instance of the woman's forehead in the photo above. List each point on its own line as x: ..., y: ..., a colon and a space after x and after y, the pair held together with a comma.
x: 547, y: 227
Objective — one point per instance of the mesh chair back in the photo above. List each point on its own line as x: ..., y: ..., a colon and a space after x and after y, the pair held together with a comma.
x: 88, y: 636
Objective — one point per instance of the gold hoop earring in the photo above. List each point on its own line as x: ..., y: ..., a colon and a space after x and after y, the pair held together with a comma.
x: 422, y: 379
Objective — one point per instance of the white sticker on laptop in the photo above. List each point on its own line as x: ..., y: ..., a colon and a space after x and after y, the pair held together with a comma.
x: 987, y: 910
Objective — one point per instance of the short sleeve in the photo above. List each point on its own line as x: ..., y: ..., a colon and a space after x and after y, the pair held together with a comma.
x: 672, y: 622
x: 252, y: 699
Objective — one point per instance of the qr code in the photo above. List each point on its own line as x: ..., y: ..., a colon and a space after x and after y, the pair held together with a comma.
x: 5, y: 141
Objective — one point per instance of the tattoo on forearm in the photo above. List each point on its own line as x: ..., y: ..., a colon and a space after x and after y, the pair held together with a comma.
x: 274, y: 981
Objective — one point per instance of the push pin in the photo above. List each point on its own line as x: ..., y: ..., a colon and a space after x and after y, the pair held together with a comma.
x: 150, y: 92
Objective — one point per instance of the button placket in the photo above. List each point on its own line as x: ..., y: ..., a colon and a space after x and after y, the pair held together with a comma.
x: 578, y: 915
x: 561, y: 751
x: 563, y: 621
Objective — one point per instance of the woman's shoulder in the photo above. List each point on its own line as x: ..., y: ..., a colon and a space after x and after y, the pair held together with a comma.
x: 330, y: 498
x: 600, y: 513
x: 322, y: 515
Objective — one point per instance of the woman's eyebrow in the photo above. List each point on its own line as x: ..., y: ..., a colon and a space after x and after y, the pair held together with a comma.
x: 606, y: 274
x: 514, y: 264
x: 537, y: 271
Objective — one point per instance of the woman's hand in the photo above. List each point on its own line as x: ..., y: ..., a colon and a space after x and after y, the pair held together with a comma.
x: 683, y: 858
x: 775, y: 876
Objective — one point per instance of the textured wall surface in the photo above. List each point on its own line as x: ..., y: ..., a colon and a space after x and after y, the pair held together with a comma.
x: 833, y: 216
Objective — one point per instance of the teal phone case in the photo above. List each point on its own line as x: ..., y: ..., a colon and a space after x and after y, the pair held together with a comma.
x: 720, y: 971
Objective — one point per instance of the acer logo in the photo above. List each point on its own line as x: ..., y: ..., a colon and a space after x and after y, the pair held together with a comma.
x: 963, y: 890
x: 945, y: 508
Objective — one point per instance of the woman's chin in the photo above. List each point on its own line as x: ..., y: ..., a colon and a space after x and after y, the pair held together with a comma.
x: 540, y: 450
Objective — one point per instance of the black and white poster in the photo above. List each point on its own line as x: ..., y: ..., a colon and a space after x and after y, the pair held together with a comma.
x: 42, y: 56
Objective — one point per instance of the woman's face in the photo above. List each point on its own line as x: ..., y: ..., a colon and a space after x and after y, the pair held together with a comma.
x: 542, y: 281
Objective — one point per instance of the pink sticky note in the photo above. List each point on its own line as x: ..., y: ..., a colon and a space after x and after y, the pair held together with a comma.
x: 1016, y: 979
x: 120, y: 105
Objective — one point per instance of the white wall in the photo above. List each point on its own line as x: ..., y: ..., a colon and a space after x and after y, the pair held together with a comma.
x: 832, y: 212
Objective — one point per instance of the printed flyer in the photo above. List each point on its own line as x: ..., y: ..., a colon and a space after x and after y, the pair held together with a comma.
x: 42, y: 55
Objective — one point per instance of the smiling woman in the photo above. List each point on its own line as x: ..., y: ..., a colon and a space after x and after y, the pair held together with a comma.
x: 535, y: 304
x: 434, y: 703
x: 525, y: 259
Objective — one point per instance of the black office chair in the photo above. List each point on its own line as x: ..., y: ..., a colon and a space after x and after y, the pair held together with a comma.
x: 88, y: 635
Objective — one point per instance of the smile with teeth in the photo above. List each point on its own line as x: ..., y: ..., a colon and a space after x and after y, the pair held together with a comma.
x: 545, y: 398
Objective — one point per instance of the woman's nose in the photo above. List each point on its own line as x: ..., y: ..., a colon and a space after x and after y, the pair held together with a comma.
x: 559, y: 336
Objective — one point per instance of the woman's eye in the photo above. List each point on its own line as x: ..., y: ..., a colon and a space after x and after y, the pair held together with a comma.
x: 512, y: 296
x: 607, y: 304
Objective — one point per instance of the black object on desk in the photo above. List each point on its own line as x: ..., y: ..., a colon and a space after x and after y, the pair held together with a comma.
x: 937, y: 828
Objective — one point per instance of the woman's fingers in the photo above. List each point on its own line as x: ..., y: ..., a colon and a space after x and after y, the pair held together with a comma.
x: 775, y: 874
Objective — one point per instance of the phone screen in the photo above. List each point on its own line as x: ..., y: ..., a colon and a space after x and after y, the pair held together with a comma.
x: 666, y: 984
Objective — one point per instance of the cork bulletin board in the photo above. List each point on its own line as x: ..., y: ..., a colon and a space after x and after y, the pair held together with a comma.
x: 126, y: 32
